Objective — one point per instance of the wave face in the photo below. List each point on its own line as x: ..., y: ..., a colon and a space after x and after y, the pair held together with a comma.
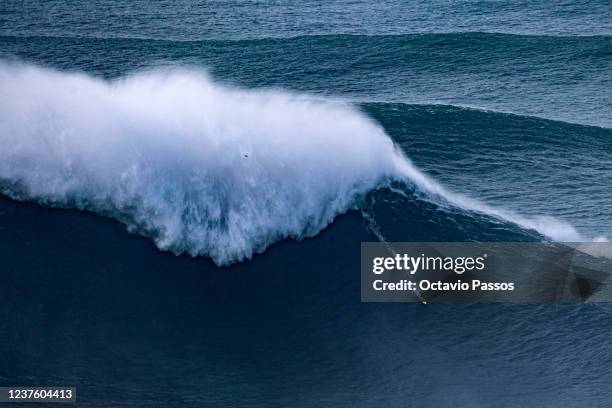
x: 200, y: 168
x: 529, y: 165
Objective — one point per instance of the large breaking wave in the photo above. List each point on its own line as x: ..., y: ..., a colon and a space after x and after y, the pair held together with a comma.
x: 201, y: 168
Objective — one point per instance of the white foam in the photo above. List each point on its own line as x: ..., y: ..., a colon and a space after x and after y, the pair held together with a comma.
x: 545, y: 225
x: 198, y: 167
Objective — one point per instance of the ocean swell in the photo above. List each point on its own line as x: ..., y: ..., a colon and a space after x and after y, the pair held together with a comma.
x: 200, y: 168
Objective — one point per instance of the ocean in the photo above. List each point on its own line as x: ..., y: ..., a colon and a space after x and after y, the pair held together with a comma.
x: 184, y: 188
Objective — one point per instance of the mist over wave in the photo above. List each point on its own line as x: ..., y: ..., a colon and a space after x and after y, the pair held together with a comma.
x: 201, y: 168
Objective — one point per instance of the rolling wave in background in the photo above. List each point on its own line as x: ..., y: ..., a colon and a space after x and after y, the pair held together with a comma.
x: 557, y: 78
x: 202, y: 168
x: 227, y: 19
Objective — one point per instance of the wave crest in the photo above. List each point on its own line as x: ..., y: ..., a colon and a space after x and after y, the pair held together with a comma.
x: 200, y: 168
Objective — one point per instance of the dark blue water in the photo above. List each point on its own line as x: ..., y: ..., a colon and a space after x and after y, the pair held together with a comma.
x: 119, y: 158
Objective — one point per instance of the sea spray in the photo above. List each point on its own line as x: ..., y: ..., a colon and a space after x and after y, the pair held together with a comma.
x: 200, y: 168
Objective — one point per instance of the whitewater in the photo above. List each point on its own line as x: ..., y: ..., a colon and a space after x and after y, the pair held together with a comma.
x: 199, y: 167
